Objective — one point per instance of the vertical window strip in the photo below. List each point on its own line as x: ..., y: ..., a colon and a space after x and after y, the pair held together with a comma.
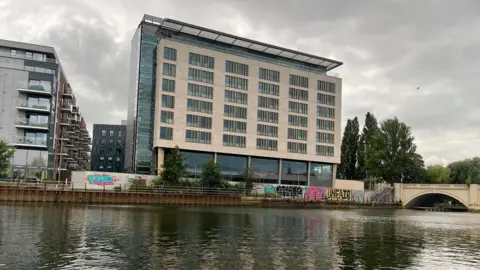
x: 325, y: 150
x: 201, y: 60
x: 168, y: 85
x: 237, y: 68
x: 170, y: 54
x: 269, y: 75
x: 169, y: 70
x: 298, y: 81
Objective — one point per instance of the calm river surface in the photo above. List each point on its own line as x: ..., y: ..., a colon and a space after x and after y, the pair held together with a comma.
x: 132, y: 237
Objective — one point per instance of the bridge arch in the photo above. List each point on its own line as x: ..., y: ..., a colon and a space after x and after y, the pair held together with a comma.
x: 420, y: 197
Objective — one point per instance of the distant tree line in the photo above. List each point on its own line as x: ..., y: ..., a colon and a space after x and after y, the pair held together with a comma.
x: 465, y: 171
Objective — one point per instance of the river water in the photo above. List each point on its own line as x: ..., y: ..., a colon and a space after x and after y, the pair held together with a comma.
x: 139, y: 237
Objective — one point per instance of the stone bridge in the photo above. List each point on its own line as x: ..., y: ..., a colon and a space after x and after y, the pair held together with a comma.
x: 415, y: 194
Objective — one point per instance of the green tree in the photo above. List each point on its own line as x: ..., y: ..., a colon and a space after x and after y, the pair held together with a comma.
x: 349, y: 149
x: 438, y: 174
x: 360, y: 170
x: 369, y: 134
x: 211, y: 175
x: 248, y: 179
x: 415, y: 173
x: 173, y: 168
x: 461, y: 170
x: 6, y: 154
x: 394, y: 151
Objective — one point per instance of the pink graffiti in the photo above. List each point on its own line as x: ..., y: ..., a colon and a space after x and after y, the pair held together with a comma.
x: 316, y: 193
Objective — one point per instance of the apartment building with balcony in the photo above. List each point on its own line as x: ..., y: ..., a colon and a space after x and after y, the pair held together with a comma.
x: 243, y: 103
x: 40, y: 118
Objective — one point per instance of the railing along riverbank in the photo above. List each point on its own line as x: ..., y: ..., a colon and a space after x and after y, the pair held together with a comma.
x: 166, y: 195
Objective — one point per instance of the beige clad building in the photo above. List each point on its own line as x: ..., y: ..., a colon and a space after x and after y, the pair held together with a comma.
x: 244, y: 104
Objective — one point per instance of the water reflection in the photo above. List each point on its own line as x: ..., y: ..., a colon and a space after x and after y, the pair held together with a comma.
x: 114, y: 237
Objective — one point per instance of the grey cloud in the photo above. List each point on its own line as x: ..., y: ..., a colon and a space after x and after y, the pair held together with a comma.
x: 388, y: 49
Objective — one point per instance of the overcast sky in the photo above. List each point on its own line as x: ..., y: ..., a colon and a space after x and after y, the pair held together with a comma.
x: 388, y: 49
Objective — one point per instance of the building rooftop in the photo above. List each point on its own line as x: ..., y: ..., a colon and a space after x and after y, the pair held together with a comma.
x: 198, y: 31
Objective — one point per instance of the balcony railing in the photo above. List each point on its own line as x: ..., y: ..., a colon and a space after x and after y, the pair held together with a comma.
x: 23, y: 56
x: 28, y: 122
x: 67, y: 91
x: 24, y: 104
x: 34, y: 87
x: 32, y: 141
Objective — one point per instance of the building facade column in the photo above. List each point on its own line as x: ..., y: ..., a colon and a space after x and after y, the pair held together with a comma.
x: 160, y: 159
x: 279, y: 171
x: 308, y: 172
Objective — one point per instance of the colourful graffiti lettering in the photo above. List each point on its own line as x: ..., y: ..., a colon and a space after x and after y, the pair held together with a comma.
x: 316, y: 193
x: 269, y: 189
x: 101, y: 179
x: 290, y: 191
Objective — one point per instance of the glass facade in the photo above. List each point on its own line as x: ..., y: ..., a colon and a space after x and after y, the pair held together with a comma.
x: 265, y: 170
x: 232, y: 167
x: 194, y: 162
x: 145, y: 103
x: 321, y: 174
x: 294, y: 173
x: 31, y: 165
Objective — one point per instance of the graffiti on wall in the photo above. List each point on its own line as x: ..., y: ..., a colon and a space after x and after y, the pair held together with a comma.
x: 311, y: 193
x: 137, y: 179
x: 101, y: 179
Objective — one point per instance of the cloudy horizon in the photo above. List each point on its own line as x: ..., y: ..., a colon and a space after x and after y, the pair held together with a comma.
x: 389, y: 49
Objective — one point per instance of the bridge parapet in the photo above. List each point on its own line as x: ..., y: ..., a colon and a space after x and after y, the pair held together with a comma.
x: 469, y: 195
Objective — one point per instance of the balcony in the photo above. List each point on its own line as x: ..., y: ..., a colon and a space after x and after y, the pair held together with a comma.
x: 63, y: 152
x: 33, y: 142
x: 65, y: 121
x: 28, y: 123
x: 67, y: 92
x: 67, y: 107
x: 34, y: 88
x: 25, y: 105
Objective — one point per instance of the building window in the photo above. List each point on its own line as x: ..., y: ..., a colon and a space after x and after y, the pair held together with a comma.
x: 265, y: 130
x: 28, y: 55
x: 297, y: 107
x: 102, y: 158
x: 298, y: 94
x: 169, y: 70
x: 266, y: 144
x: 100, y: 167
x: 325, y: 125
x: 168, y: 101
x: 297, y: 120
x: 268, y: 103
x: 104, y: 133
x: 269, y: 117
x: 194, y: 105
x: 236, y: 97
x: 118, y: 159
x: 119, y: 133
x: 234, y: 111
x: 269, y: 75
x: 268, y: 88
x: 109, y: 158
x: 326, y: 99
x: 326, y: 86
x: 325, y: 150
x: 323, y: 137
x: 265, y: 170
x: 294, y: 173
x: 200, y: 75
x: 199, y: 121
x: 195, y: 136
x: 170, y: 54
x: 235, y: 82
x: 201, y: 60
x: 325, y: 112
x: 237, y: 68
x: 298, y: 81
x: 297, y: 134
x: 168, y: 85
x: 166, y: 117
x: 299, y: 148
x: 13, y: 52
x: 234, y: 126
x: 111, y: 133
x: 321, y: 175
x: 166, y: 133
x: 234, y: 141
x: 232, y: 167
x: 200, y: 91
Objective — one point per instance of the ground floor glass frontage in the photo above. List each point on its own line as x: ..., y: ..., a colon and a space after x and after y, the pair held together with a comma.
x: 265, y: 170
x: 30, y: 165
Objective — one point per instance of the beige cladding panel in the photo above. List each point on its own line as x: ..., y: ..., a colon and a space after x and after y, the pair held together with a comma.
x: 180, y: 110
